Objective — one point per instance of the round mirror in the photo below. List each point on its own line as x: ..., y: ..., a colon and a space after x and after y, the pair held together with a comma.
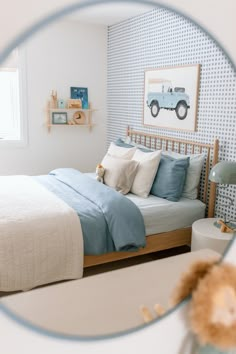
x: 156, y: 91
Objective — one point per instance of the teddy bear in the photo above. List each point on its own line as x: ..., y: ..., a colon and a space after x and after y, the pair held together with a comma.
x: 212, y: 313
x: 100, y: 171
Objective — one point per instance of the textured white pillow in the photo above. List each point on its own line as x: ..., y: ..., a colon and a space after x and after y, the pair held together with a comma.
x: 147, y: 169
x: 119, y: 173
x: 193, y: 174
x: 121, y: 152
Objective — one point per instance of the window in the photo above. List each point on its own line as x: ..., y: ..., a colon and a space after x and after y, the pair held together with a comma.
x: 12, y: 112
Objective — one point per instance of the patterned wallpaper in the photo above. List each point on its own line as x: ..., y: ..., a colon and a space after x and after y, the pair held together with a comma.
x: 161, y: 38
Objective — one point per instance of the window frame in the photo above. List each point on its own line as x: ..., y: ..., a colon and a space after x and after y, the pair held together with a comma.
x: 23, y: 141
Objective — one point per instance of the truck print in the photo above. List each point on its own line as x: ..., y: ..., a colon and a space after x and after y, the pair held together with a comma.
x: 169, y: 98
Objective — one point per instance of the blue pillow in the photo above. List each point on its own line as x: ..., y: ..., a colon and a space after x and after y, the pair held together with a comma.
x: 120, y: 142
x: 170, y: 178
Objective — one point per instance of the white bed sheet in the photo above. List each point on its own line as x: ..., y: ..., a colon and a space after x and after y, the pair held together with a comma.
x: 161, y: 215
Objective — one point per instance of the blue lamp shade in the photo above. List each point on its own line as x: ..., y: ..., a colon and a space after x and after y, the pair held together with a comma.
x: 224, y: 173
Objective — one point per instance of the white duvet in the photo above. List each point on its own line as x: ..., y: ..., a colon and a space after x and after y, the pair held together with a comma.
x: 40, y: 236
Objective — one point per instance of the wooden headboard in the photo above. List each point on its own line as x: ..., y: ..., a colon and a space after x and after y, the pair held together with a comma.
x: 185, y: 147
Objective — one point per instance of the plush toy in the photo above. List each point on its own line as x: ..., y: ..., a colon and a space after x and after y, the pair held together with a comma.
x: 100, y: 171
x: 212, y: 312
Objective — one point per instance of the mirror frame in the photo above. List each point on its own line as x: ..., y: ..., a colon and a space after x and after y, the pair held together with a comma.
x: 21, y: 38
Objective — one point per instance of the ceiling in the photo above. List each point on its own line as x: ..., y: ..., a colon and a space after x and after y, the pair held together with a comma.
x: 109, y: 14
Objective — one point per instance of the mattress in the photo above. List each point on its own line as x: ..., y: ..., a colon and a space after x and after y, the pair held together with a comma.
x: 161, y: 215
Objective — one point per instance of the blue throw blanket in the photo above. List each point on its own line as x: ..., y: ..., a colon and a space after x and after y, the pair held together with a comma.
x: 109, y: 221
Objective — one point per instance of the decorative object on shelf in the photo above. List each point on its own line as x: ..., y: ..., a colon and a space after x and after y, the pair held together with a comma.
x: 171, y: 96
x: 80, y: 93
x: 54, y: 99
x: 74, y: 103
x: 212, y: 311
x: 61, y: 103
x: 224, y: 173
x: 79, y: 117
x: 71, y: 122
x: 100, y: 171
x: 59, y: 118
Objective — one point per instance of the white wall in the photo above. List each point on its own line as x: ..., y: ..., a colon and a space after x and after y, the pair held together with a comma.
x: 63, y: 55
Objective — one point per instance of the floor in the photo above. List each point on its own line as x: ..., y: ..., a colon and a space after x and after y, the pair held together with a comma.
x: 126, y: 263
x: 135, y: 260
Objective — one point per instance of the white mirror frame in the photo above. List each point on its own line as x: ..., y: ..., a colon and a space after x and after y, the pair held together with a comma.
x: 17, y: 336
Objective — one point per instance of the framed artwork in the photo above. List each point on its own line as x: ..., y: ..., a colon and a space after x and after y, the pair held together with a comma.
x: 171, y: 97
x: 80, y: 93
x: 59, y: 118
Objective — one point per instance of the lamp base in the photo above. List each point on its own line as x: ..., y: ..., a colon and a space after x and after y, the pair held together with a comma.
x: 225, y: 226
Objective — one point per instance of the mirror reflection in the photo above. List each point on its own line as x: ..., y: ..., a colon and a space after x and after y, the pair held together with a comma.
x: 112, y: 120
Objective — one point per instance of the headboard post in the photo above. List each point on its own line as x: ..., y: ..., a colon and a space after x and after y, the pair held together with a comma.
x: 211, y: 206
x: 127, y: 130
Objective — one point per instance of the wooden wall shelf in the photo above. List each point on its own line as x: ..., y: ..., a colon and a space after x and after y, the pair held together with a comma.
x: 69, y: 125
x: 85, y: 122
x: 71, y: 110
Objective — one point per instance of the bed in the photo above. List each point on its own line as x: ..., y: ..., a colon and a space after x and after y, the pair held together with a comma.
x: 176, y: 236
x: 60, y: 252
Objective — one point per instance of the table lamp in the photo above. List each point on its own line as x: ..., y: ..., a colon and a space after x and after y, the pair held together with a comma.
x: 224, y: 172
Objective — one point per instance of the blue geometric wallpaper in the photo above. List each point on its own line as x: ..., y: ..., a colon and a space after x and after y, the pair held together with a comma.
x: 161, y: 38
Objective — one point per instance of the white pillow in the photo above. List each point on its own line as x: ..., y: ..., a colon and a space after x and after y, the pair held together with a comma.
x: 119, y: 173
x: 147, y: 169
x: 121, y: 152
x: 196, y: 162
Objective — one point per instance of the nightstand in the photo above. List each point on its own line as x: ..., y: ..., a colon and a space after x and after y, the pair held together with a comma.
x: 206, y: 235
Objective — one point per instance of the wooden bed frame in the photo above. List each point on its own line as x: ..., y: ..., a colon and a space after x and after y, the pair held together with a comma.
x: 207, y: 192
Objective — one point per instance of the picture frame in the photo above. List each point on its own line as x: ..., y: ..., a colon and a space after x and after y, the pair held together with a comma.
x: 171, y: 97
x: 59, y: 118
x: 80, y: 93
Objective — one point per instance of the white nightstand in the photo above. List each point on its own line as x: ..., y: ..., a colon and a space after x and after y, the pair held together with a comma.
x: 206, y: 235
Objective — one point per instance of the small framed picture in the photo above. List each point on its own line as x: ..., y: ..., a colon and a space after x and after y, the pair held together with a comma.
x: 80, y: 93
x: 59, y: 118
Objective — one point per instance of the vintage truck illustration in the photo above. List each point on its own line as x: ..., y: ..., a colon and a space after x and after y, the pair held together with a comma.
x: 169, y: 98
